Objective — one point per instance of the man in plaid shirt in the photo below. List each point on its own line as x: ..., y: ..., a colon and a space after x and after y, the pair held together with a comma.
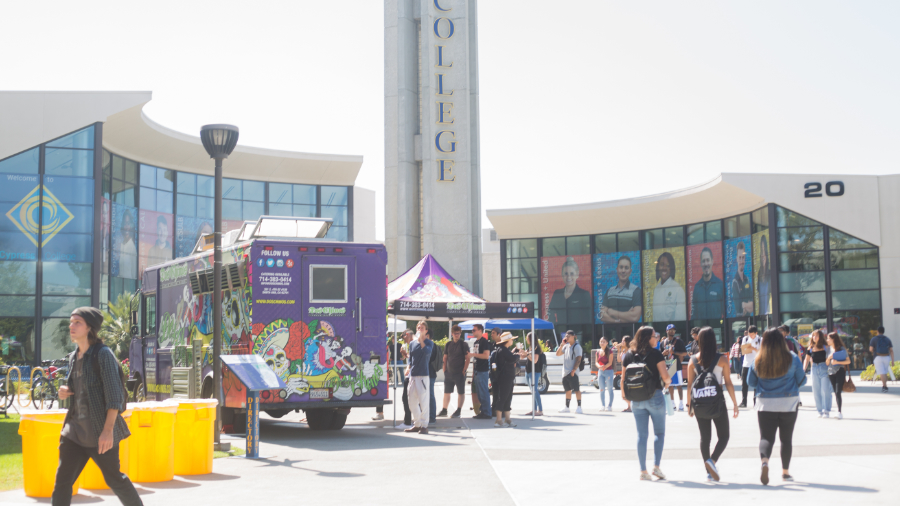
x: 94, y: 425
x: 735, y: 356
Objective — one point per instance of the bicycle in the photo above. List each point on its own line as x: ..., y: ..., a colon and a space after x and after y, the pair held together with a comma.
x: 16, y: 387
x: 44, y: 390
x: 6, y: 399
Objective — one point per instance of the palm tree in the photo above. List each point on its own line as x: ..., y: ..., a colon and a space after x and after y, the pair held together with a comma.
x: 116, y: 329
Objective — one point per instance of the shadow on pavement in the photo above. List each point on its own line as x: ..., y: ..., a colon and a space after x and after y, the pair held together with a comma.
x: 172, y: 484
x: 208, y: 477
x: 301, y: 437
x: 291, y: 464
x: 787, y: 486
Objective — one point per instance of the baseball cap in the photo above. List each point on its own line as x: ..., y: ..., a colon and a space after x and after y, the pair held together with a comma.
x: 670, y: 327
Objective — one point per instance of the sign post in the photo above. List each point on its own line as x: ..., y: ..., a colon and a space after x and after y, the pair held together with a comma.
x: 253, y: 424
x: 255, y: 375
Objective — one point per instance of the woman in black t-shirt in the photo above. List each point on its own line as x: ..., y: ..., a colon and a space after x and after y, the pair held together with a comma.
x: 643, y: 350
x: 534, y: 376
x: 505, y: 362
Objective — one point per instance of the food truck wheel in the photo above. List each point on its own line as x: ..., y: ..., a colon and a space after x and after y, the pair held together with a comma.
x: 277, y: 413
x: 339, y: 419
x: 617, y: 383
x: 544, y: 384
x: 319, y: 419
x: 138, y: 395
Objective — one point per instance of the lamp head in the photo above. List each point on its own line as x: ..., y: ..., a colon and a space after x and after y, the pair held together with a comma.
x: 219, y: 140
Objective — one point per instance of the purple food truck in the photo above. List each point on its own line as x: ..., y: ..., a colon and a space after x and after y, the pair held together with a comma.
x: 313, y: 309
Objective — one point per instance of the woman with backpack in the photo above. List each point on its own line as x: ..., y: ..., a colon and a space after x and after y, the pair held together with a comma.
x: 777, y: 376
x: 644, y: 377
x: 94, y: 425
x: 707, y: 372
x: 623, y: 348
x: 837, y: 373
x: 821, y: 384
x: 605, y: 374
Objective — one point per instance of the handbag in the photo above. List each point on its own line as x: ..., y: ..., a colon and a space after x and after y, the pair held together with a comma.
x: 849, y: 387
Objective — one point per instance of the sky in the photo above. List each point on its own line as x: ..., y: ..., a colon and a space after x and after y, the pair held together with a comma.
x: 581, y: 101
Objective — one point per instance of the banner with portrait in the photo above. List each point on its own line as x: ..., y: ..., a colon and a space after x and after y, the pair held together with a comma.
x: 738, y: 277
x: 762, y: 267
x: 156, y: 238
x: 617, y: 287
x: 706, y: 288
x: 565, y: 289
x: 664, y: 295
x: 188, y: 231
x: 124, y: 242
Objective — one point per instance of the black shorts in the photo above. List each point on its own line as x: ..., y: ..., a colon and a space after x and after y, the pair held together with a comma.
x: 457, y: 380
x: 571, y: 383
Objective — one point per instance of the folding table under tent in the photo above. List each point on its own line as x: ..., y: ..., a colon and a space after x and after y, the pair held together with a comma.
x: 427, y: 291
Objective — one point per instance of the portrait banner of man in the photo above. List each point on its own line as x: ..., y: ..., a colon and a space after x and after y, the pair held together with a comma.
x: 706, y: 288
x: 617, y: 287
x: 762, y: 296
x: 738, y: 277
x: 664, y: 295
x: 565, y: 289
x: 124, y: 242
x: 156, y: 238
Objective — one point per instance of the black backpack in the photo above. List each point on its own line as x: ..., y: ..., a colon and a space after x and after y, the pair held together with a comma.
x: 707, y: 398
x: 580, y: 362
x: 638, y: 382
x: 122, y: 377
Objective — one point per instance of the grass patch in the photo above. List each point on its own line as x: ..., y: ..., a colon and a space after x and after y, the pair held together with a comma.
x: 235, y: 452
x: 10, y: 453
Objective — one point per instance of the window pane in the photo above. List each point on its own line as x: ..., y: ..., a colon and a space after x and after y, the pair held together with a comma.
x: 788, y: 218
x: 280, y: 194
x: 16, y: 245
x: 336, y: 213
x: 304, y: 194
x: 148, y: 176
x: 713, y: 231
x: 231, y: 189
x: 854, y: 280
x: 187, y: 204
x: 254, y: 190
x: 857, y: 328
x: 521, y: 267
x: 760, y: 219
x: 206, y: 186
x: 629, y: 241
x: 580, y: 245
x: 695, y: 234
x: 854, y: 259
x: 521, y: 248
x: 69, y: 162
x: 131, y: 171
x: 810, y: 301
x: 23, y: 163
x: 253, y: 210
x: 800, y: 239
x: 731, y: 228
x: 18, y: 278
x: 18, y: 335
x: 165, y: 179
x: 674, y: 237
x: 62, y: 278
x: 206, y: 207
x: 337, y: 233
x: 17, y: 306
x: 653, y: 239
x: 280, y: 210
x: 553, y: 247
x: 118, y: 167
x: 858, y: 299
x: 164, y: 201
x: 231, y: 210
x: 802, y: 281
x: 605, y: 243
x: 303, y: 211
x: 187, y: 183
x: 334, y: 195
x: 68, y: 247
x: 55, y: 342
x: 148, y: 198
x: 62, y: 306
x: 71, y: 190
x: 743, y: 223
x: 82, y: 221
x: 810, y: 261
x: 83, y: 139
x: 840, y: 240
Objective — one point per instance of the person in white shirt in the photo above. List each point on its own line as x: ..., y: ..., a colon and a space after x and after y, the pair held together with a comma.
x: 668, y: 296
x: 749, y: 346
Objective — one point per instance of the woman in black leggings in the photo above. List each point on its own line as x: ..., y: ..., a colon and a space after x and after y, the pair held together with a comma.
x: 777, y: 375
x: 706, y: 358
x: 837, y: 373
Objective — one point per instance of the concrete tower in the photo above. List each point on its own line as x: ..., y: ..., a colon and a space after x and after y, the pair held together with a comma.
x: 431, y: 136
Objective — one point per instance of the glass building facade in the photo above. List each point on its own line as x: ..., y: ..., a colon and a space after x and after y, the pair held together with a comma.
x: 80, y: 224
x: 763, y: 268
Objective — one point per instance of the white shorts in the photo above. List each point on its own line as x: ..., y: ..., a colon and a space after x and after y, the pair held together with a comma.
x: 883, y: 366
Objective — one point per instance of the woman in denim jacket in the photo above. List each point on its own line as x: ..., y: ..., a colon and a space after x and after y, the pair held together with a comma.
x: 777, y: 375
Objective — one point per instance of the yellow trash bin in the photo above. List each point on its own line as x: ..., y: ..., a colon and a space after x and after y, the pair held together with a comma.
x: 151, y: 452
x: 91, y: 478
x: 40, y: 451
x: 194, y: 426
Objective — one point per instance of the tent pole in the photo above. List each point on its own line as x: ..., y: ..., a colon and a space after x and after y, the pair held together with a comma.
x: 394, y: 372
x: 535, y: 379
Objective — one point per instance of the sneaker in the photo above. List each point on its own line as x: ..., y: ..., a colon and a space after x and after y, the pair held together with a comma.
x: 709, y: 478
x: 564, y: 410
x: 378, y: 416
x: 482, y: 416
x: 764, y: 474
x: 509, y: 424
x: 497, y: 425
x: 742, y: 405
x: 821, y: 415
x: 443, y: 412
x: 884, y: 389
x: 403, y: 426
x: 413, y: 429
x: 680, y: 406
x: 578, y: 410
x: 423, y: 430
x: 711, y: 469
x: 645, y: 476
x: 826, y: 415
x: 787, y: 477
x: 840, y: 416
x: 626, y: 410
x: 539, y: 413
x: 658, y: 473
x: 456, y: 414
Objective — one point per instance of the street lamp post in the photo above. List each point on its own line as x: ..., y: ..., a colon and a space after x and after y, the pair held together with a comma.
x: 219, y: 141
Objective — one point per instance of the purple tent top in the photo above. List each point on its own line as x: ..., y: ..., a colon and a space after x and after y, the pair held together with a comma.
x: 427, y: 281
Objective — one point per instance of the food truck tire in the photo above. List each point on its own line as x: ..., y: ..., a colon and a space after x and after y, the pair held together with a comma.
x: 326, y: 419
x: 206, y: 391
x: 277, y: 413
x: 137, y: 395
x: 339, y: 419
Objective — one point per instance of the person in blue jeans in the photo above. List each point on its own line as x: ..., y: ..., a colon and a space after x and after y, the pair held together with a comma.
x: 605, y: 374
x: 481, y: 375
x: 435, y: 362
x: 533, y: 377
x: 821, y: 383
x: 643, y: 350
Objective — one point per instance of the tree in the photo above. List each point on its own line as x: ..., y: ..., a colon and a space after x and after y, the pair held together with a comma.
x: 116, y: 329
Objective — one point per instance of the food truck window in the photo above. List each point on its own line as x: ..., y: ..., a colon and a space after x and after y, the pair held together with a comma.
x: 328, y: 283
x: 150, y: 314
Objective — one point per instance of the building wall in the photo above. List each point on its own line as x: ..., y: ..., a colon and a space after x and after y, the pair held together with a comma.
x: 490, y: 261
x: 889, y: 204
x: 363, y: 215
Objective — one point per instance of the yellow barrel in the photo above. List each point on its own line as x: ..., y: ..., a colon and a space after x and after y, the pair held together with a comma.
x: 40, y: 451
x: 194, y: 426
x: 91, y: 478
x: 151, y: 452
